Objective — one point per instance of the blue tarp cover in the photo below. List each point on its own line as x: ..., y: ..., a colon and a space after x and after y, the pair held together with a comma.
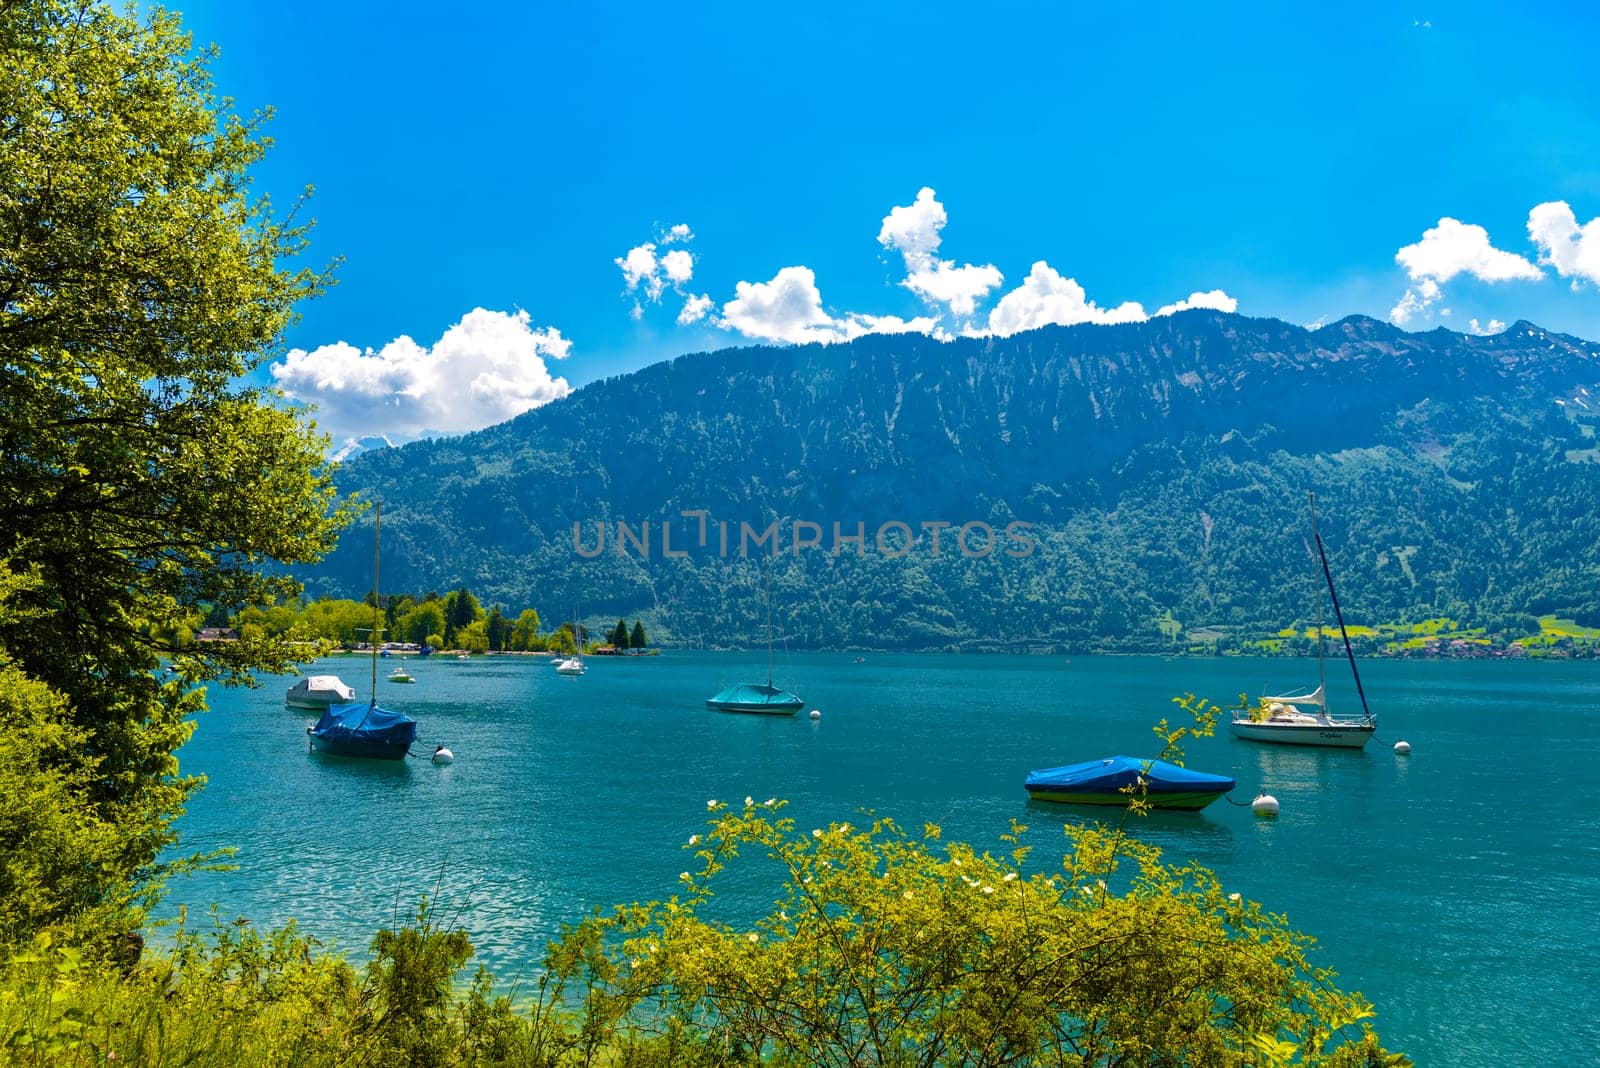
x: 1113, y: 773
x: 751, y: 693
x: 356, y: 720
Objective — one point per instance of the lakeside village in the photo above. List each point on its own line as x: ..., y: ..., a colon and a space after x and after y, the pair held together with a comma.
x: 457, y: 624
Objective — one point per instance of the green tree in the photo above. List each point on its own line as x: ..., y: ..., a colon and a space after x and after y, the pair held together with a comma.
x: 884, y: 948
x: 637, y: 638
x: 474, y: 637
x: 619, y: 636
x: 423, y: 623
x: 140, y: 283
x: 460, y: 610
x: 497, y: 628
x: 525, y: 633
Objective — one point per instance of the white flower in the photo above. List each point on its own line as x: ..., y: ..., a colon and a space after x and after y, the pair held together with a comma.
x: 712, y: 803
x: 1010, y: 875
x: 683, y: 876
x: 956, y: 862
x: 816, y: 832
x: 748, y: 803
x: 753, y: 937
x: 988, y: 889
x: 845, y: 827
x: 694, y: 839
x: 769, y: 802
x: 908, y: 895
x: 1233, y: 898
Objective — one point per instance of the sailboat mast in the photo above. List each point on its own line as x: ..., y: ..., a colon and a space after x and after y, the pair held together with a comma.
x: 377, y: 602
x: 1333, y: 595
x: 768, y: 570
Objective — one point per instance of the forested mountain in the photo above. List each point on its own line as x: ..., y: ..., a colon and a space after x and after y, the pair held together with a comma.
x: 1163, y: 467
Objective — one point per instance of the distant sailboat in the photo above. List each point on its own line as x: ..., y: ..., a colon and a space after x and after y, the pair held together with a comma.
x: 1280, y: 719
x: 357, y: 730
x: 758, y: 698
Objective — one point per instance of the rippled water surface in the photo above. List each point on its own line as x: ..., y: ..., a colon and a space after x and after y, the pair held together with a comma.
x: 1458, y: 888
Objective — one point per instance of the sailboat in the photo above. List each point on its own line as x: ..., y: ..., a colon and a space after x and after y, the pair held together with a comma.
x: 366, y: 730
x: 754, y: 697
x: 1282, y: 720
x: 573, y: 665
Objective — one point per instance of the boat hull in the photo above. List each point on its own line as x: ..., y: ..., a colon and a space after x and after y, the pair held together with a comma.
x: 1324, y: 735
x: 366, y: 748
x: 771, y: 709
x: 1187, y: 801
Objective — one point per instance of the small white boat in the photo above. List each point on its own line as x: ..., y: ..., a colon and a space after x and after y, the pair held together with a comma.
x: 317, y: 692
x: 571, y: 665
x: 399, y: 674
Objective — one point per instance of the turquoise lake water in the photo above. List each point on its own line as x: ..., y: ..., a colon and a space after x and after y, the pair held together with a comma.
x: 1457, y: 888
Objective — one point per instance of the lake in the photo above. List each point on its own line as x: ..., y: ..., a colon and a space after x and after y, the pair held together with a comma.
x: 1457, y: 888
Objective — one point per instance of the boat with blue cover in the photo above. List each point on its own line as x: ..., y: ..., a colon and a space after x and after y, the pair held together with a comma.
x: 762, y: 699
x: 1116, y: 781
x: 353, y: 729
x: 363, y: 730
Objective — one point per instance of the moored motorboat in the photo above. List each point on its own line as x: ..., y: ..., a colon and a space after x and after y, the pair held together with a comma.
x: 318, y: 692
x: 363, y: 730
x: 1118, y: 780
x: 762, y: 699
x: 352, y: 729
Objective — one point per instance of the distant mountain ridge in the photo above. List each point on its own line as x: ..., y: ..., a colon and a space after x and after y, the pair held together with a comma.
x: 1162, y: 467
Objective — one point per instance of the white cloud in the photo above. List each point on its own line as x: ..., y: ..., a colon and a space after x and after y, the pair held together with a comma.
x: 678, y: 266
x: 1214, y: 298
x: 639, y: 270
x: 1494, y: 326
x: 695, y: 308
x: 789, y: 308
x: 1453, y: 248
x: 1572, y: 250
x: 960, y: 288
x: 485, y: 369
x: 1046, y: 299
x: 647, y: 273
x: 913, y: 231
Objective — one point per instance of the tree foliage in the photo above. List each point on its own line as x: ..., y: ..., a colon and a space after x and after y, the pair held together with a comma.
x: 141, y: 482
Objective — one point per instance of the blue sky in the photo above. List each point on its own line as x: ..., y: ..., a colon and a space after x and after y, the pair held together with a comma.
x: 486, y: 172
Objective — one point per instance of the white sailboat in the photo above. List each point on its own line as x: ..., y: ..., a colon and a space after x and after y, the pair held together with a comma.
x: 1283, y: 719
x: 573, y: 665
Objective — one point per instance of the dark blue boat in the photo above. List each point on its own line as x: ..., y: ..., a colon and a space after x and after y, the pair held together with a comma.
x: 358, y: 730
x: 354, y: 729
x: 1106, y: 782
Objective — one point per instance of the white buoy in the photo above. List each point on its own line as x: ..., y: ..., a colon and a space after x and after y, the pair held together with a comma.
x: 1265, y: 805
x: 1402, y: 748
x: 815, y: 714
x: 442, y: 755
